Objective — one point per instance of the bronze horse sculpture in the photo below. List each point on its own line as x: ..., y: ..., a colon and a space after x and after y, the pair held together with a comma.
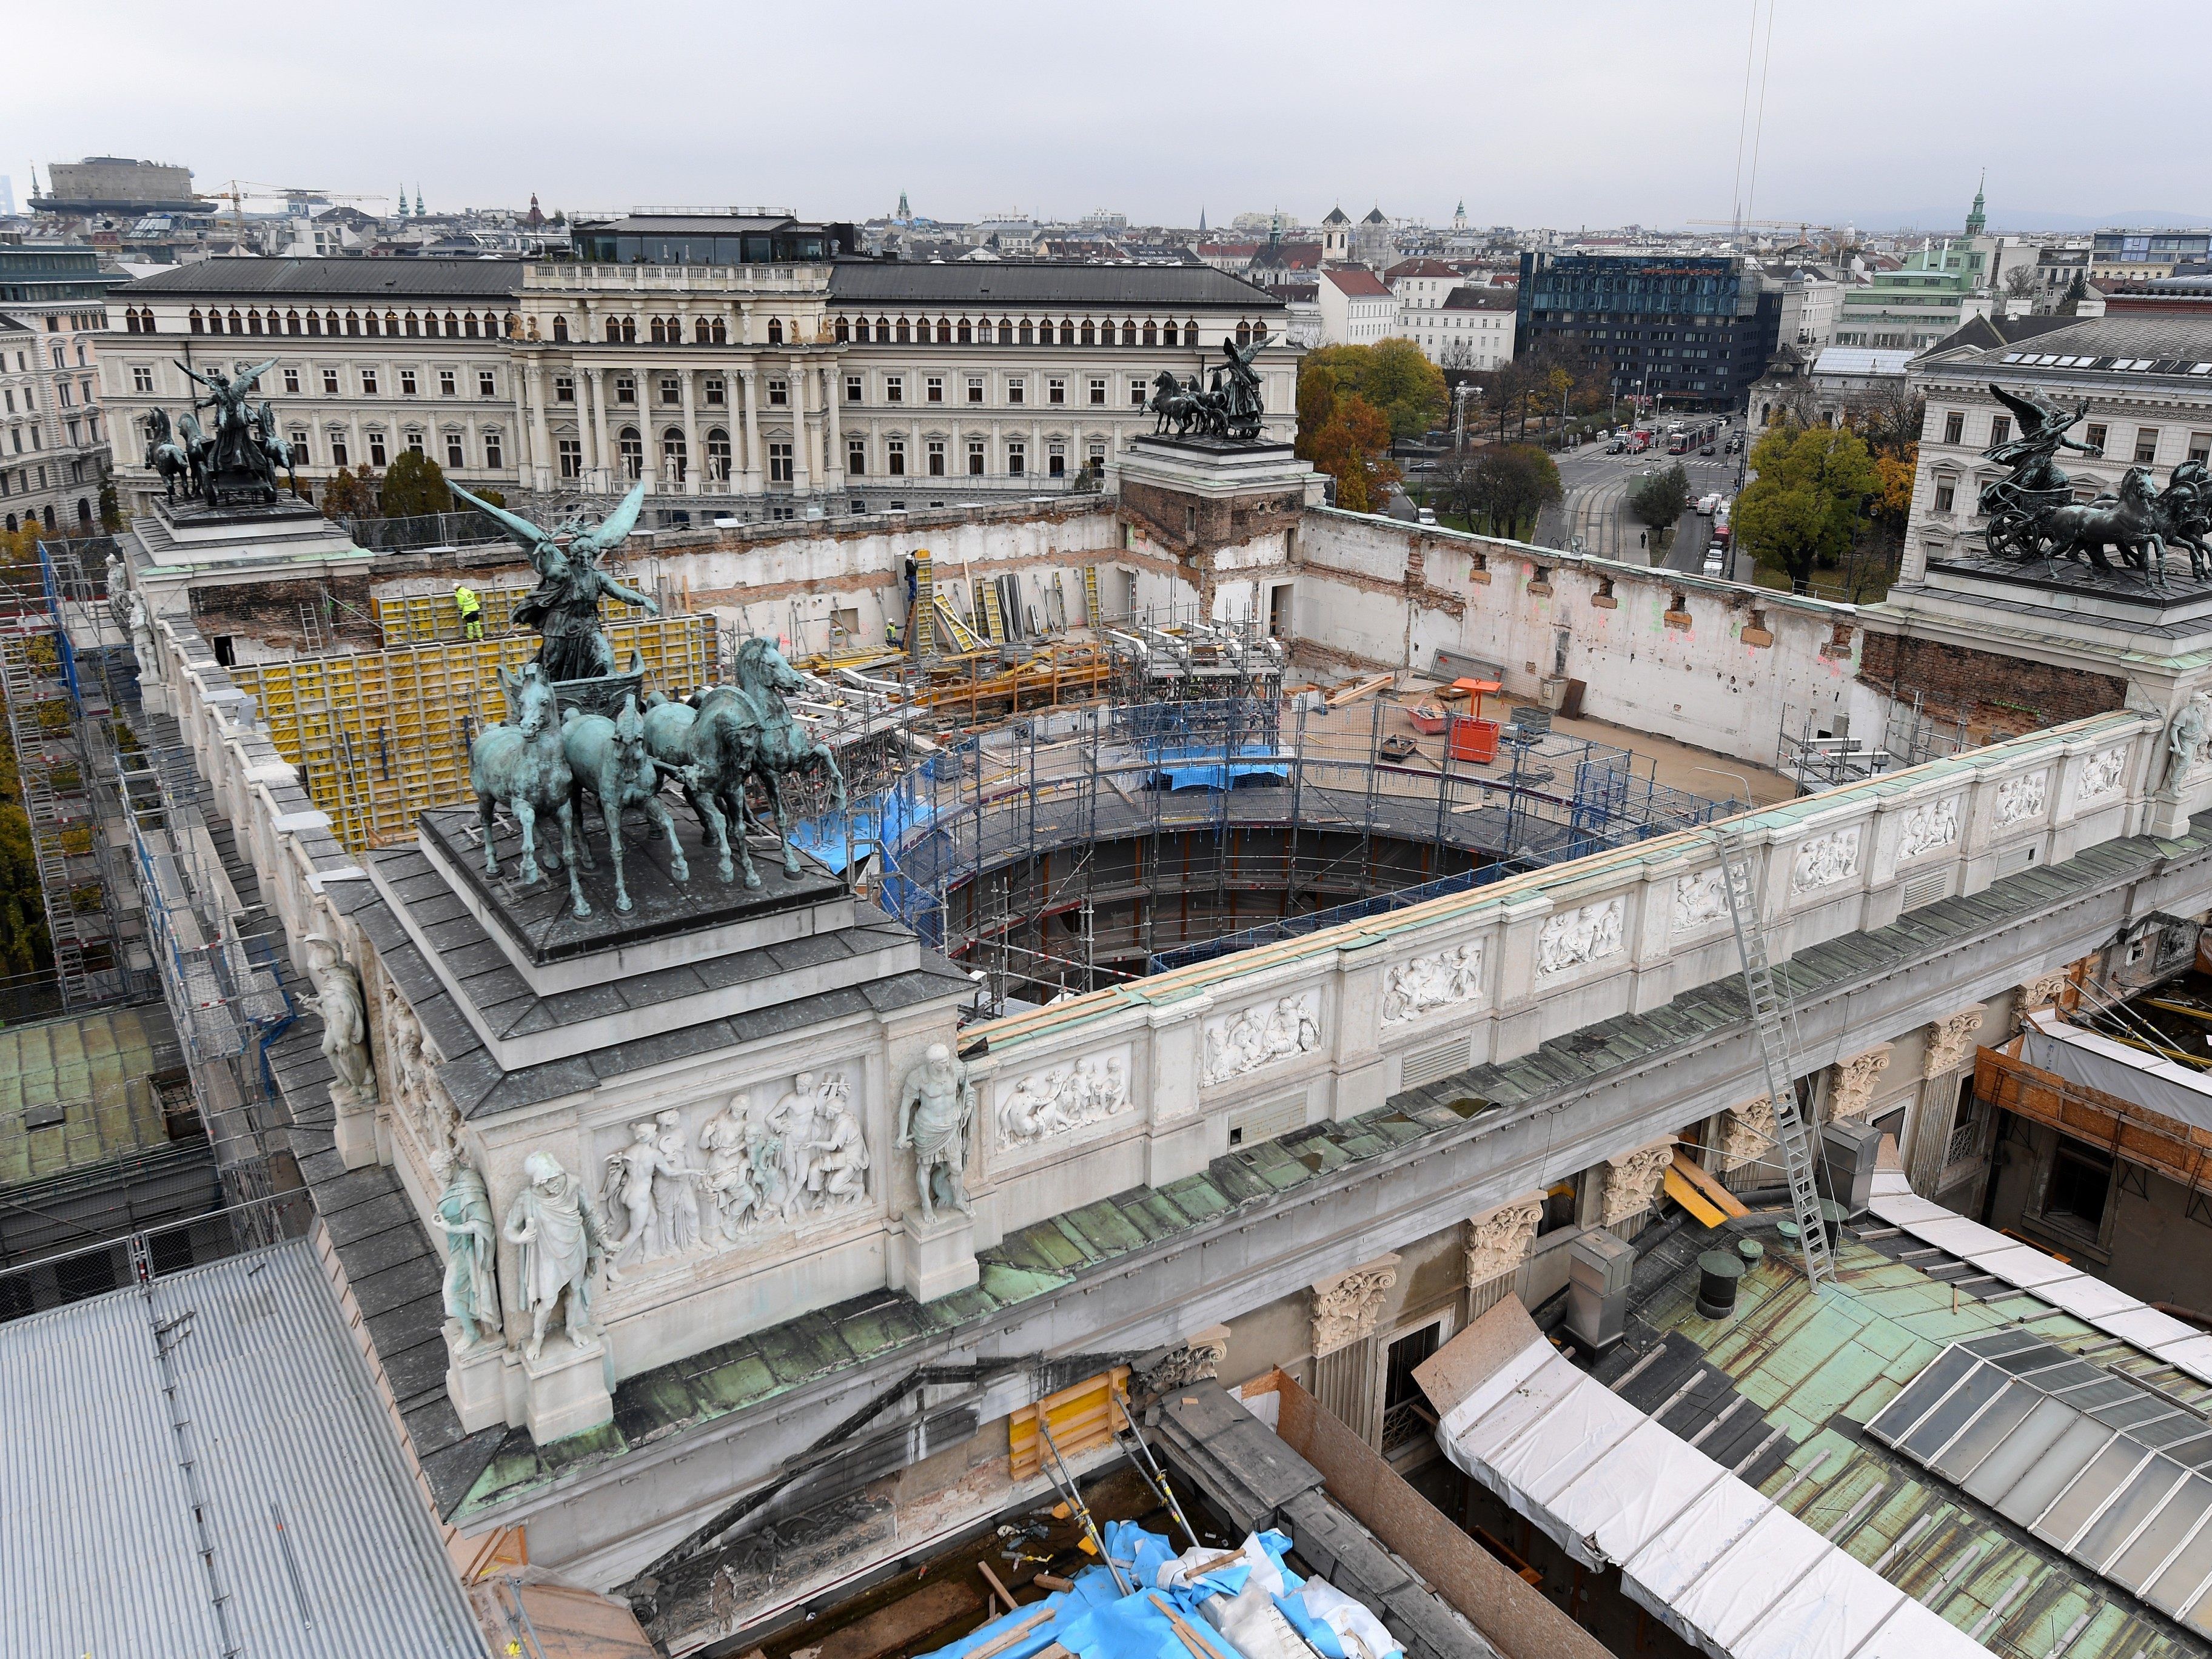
x: 524, y: 766
x: 165, y: 457
x: 609, y: 760
x: 2128, y: 521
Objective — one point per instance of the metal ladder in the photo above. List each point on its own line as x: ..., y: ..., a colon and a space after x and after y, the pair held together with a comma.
x: 995, y: 620
x: 1771, y: 1037
x: 963, y: 637
x: 1091, y: 613
x: 924, y: 610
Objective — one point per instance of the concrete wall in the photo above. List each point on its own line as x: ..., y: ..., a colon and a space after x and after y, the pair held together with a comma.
x: 1705, y: 662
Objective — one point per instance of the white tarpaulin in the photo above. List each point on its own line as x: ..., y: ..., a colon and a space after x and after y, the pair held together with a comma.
x: 1720, y: 1564
x: 2113, y: 1068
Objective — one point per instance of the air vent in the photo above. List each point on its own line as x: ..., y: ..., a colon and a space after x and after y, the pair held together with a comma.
x: 1926, y: 890
x: 1430, y: 1063
x: 1267, y: 1119
x: 2013, y: 860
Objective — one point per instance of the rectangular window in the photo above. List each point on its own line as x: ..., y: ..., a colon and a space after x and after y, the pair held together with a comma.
x: 291, y: 381
x: 894, y: 388
x: 717, y: 391
x: 488, y: 385
x: 330, y: 383
x: 2000, y: 430
x: 625, y: 388
x: 779, y: 394
x: 2200, y: 447
x: 671, y: 391
x: 1954, y: 427
x: 1014, y: 389
x: 449, y: 384
x: 975, y: 388
x: 937, y: 458
x: 935, y: 390
x: 142, y: 380
x: 1944, y: 497
x: 338, y: 450
x: 368, y: 383
x: 2081, y: 1182
x: 1055, y: 460
x: 406, y: 382
x: 1098, y: 390
x: 856, y: 458
x: 895, y: 457
x: 1136, y: 392
x: 1017, y: 458
x: 298, y: 441
x: 974, y: 458
x: 852, y: 388
x: 494, y: 459
x: 778, y: 463
x: 455, y: 459
x: 415, y: 442
x: 376, y: 449
x: 2095, y: 437
x: 572, y: 456
x: 2146, y: 445
x: 564, y: 388
x: 1055, y: 391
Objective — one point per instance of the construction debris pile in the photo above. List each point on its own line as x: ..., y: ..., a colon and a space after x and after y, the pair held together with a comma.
x: 1145, y: 1601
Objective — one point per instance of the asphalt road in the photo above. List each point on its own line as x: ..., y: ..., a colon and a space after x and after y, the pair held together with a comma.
x: 1597, y: 487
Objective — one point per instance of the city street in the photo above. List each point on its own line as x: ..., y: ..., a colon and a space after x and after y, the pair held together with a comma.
x: 1597, y: 487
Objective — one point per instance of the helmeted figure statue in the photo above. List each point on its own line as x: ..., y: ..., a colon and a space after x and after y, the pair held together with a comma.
x: 337, y: 998
x: 1244, y: 409
x: 561, y: 1247
x: 2017, y: 505
x: 238, y: 463
x: 564, y: 607
x: 463, y: 1215
x: 936, y: 1105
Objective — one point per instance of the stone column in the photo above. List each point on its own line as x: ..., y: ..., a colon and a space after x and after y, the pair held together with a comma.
x: 541, y: 444
x: 1928, y: 1128
x: 695, y: 460
x: 1498, y: 1241
x: 1747, y: 1134
x: 754, y: 473
x: 1347, y: 1307
x: 1632, y: 1183
x: 599, y: 461
x: 1850, y: 1090
x: 833, y: 464
x: 802, y: 474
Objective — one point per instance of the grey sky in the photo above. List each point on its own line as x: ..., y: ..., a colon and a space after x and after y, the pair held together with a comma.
x: 1554, y: 113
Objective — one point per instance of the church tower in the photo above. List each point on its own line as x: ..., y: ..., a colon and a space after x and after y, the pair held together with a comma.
x: 1978, y: 219
x: 1459, y: 216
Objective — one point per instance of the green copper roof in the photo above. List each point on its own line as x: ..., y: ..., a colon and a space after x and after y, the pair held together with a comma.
x: 96, y: 1071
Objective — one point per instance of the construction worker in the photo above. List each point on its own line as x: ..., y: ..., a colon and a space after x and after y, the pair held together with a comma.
x: 465, y: 601
x: 890, y: 634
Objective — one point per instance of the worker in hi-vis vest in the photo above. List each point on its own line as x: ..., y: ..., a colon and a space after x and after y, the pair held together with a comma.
x: 465, y: 601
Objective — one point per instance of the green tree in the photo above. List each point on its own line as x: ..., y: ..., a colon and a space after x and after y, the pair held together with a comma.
x: 1503, y: 487
x: 111, y: 509
x: 414, y: 485
x: 349, y: 495
x: 1351, y: 447
x: 1810, y: 498
x: 1391, y: 374
x: 1660, y: 499
x: 24, y: 945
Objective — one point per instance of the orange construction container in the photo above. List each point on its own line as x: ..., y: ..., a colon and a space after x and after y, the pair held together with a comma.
x: 1474, y: 739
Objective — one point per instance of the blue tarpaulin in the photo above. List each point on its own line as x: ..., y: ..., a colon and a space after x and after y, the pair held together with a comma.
x: 1199, y: 768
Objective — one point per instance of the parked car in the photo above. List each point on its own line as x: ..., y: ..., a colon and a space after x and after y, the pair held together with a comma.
x: 1715, y: 562
x: 1428, y: 515
x: 1617, y: 447
x: 1707, y: 450
x: 1707, y: 503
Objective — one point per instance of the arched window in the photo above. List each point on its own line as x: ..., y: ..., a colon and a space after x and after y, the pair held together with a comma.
x: 430, y: 323
x: 453, y: 326
x: 1260, y: 329
x: 84, y: 512
x: 1090, y: 332
x: 632, y: 449
x: 314, y: 320
x: 253, y: 322
x: 673, y: 457
x: 967, y: 334
x: 844, y: 331
x: 614, y: 330
x: 1029, y: 336
x: 658, y: 336
x: 1151, y: 334
x: 700, y: 332
x: 720, y: 333
x: 905, y: 332
x: 368, y: 325
x: 352, y: 324
x: 1066, y: 331
x: 1244, y: 333
x: 331, y: 323
x: 513, y: 326
x: 775, y: 330
x: 234, y: 321
x: 561, y: 328
x: 391, y: 323
x: 1006, y: 330
x: 883, y: 330
x: 629, y: 331
x: 469, y: 324
x: 291, y: 322
x: 1128, y: 333
x: 195, y: 322
x: 944, y: 331
x: 11, y: 524
x: 718, y: 455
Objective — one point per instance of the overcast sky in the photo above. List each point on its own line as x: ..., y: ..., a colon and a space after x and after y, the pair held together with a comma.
x: 1880, y: 112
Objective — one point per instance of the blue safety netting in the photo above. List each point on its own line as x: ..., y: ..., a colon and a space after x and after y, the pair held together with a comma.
x: 1190, y: 767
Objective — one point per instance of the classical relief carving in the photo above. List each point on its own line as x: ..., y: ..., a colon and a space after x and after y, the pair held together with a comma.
x: 1443, y: 979
x: 1263, y: 1034
x: 417, y: 1099
x: 1851, y: 1091
x: 1747, y: 1131
x: 2100, y: 775
x: 1701, y: 898
x: 1346, y: 1305
x: 1632, y: 1181
x: 2022, y: 797
x: 1951, y: 1042
x: 1196, y: 1360
x: 2044, y: 990
x: 1064, y: 1098
x: 1928, y: 826
x: 1826, y: 859
x: 1498, y: 1240
x: 1588, y: 933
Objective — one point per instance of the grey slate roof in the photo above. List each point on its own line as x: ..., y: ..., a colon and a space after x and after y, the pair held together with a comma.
x: 2160, y: 338
x: 320, y: 1545
x: 1005, y: 284
x: 335, y: 279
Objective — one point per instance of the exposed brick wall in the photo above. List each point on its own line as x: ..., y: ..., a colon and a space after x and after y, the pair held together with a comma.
x: 1996, y: 695
x: 1165, y: 515
x: 270, y: 610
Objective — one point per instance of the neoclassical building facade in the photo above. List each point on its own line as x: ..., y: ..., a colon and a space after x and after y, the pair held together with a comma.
x: 757, y: 388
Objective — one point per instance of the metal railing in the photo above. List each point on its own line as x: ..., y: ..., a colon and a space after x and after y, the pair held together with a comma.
x: 468, y: 528
x: 140, y: 1254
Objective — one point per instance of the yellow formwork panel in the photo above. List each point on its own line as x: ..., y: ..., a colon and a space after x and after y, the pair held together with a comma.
x: 384, y: 735
x: 431, y: 618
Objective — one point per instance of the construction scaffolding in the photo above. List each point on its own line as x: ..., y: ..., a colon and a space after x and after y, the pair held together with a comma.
x: 1816, y: 762
x: 1346, y: 806
x: 382, y: 736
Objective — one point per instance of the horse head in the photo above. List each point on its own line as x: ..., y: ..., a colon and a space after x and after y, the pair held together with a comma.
x: 2136, y: 489
x: 630, y: 733
x: 529, y: 697
x: 762, y: 667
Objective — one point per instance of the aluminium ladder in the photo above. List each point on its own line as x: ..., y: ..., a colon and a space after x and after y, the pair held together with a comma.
x: 1771, y: 1037
x: 1091, y: 618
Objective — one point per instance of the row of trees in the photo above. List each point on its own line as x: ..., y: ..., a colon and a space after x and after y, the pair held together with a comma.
x: 1499, y: 489
x: 1834, y: 498
x: 413, y: 487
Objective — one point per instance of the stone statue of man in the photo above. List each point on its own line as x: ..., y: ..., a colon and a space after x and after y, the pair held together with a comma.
x: 936, y: 1105
x: 142, y: 639
x: 463, y: 1215
x: 337, y: 998
x: 561, y: 1247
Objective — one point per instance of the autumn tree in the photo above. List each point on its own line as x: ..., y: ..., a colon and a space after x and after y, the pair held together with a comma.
x: 1352, y: 446
x: 1810, y: 498
x: 1391, y: 375
x: 415, y: 486
x: 349, y: 495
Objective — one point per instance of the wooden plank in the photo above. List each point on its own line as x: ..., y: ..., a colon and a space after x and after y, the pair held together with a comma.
x: 1695, y: 1175
x: 1352, y: 694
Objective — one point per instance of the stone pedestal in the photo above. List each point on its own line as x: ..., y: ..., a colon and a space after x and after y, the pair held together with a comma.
x: 355, y: 1128
x: 476, y: 1380
x: 936, y: 1258
x: 566, y: 1390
